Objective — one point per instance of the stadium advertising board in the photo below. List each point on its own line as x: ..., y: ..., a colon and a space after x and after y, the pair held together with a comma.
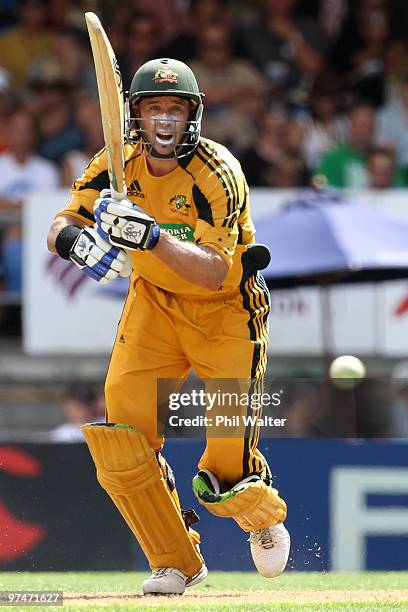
x: 347, y: 501
x: 65, y: 311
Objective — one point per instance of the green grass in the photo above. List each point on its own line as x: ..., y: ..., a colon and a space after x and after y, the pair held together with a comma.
x: 227, y: 582
x: 100, y: 582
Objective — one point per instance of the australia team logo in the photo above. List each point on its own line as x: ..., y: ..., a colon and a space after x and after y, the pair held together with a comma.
x: 179, y: 203
x: 165, y: 75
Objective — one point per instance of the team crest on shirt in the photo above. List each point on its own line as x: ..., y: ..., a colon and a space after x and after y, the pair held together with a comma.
x: 165, y: 75
x: 179, y: 204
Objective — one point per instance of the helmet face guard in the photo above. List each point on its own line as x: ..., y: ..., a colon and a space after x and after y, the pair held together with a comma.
x: 187, y: 140
x: 165, y: 77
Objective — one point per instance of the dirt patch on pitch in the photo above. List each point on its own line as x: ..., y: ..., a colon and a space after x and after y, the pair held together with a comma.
x: 235, y: 597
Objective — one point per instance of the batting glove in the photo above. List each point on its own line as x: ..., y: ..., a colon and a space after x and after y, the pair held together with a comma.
x: 125, y: 225
x: 98, y: 258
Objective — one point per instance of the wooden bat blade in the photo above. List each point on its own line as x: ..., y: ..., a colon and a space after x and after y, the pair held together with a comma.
x: 110, y: 89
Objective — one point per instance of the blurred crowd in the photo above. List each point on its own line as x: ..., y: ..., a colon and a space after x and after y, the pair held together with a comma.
x: 375, y: 408
x: 294, y: 88
x: 81, y: 403
x: 313, y: 407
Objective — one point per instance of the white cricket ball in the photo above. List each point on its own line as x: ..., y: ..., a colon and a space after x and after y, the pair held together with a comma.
x: 346, y: 372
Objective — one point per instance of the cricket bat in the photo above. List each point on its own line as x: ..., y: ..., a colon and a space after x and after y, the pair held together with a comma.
x: 110, y: 90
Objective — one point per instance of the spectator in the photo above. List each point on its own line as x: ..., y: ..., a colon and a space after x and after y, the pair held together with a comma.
x: 324, y: 127
x: 345, y: 165
x: 245, y: 13
x: 31, y: 38
x: 142, y: 42
x: 382, y: 169
x: 368, y: 61
x: 21, y: 171
x: 396, y: 65
x: 100, y: 406
x: 302, y: 407
x: 288, y: 172
x: 68, y: 13
x: 233, y: 88
x: 373, y: 398
x: 332, y: 14
x: 392, y: 127
x: 117, y: 18
x: 70, y: 49
x: 51, y: 105
x: 201, y: 13
x: 288, y: 50
x: 361, y: 47
x: 270, y: 145
x: 74, y: 162
x: 168, y: 12
x: 80, y: 406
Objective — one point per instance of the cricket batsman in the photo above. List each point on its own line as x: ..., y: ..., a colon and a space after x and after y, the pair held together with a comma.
x: 196, y: 300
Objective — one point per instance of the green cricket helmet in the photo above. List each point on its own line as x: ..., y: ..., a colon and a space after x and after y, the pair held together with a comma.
x: 166, y: 77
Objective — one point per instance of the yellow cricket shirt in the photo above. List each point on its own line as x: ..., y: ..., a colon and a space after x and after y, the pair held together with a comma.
x: 204, y: 200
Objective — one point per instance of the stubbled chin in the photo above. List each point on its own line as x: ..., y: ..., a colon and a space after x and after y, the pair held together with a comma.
x: 163, y: 150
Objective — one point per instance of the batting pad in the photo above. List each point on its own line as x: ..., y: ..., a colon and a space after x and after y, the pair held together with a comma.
x: 252, y: 503
x: 128, y: 470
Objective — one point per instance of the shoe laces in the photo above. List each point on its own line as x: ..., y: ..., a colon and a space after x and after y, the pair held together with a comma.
x: 159, y: 572
x: 266, y: 538
x: 166, y: 571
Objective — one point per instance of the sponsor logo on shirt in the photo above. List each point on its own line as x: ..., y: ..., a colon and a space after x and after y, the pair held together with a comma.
x: 182, y: 231
x: 135, y: 190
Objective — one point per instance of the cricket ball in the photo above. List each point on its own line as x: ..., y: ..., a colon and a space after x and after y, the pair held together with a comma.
x: 347, y: 371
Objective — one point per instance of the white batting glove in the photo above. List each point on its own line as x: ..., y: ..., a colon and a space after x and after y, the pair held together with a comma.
x: 125, y: 225
x: 98, y: 258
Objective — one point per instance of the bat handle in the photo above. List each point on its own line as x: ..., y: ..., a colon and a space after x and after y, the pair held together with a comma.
x: 118, y: 195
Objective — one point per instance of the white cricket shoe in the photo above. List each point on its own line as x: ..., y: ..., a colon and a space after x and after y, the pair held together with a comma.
x: 270, y: 550
x: 170, y: 581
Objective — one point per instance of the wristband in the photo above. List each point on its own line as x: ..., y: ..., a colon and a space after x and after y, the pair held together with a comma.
x: 65, y: 240
x: 154, y: 238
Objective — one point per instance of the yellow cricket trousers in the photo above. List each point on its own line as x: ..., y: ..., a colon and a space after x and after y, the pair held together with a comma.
x: 161, y: 335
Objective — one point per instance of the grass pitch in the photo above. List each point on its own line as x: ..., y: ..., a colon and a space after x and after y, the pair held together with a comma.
x: 221, y: 592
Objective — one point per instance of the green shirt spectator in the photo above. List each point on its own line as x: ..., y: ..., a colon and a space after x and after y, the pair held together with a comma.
x: 344, y: 167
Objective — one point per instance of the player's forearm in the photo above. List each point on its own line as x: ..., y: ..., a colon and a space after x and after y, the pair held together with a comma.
x: 130, y: 227
x: 196, y: 264
x: 57, y: 225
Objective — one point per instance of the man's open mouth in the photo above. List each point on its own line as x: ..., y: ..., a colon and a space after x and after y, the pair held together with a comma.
x: 164, y: 138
